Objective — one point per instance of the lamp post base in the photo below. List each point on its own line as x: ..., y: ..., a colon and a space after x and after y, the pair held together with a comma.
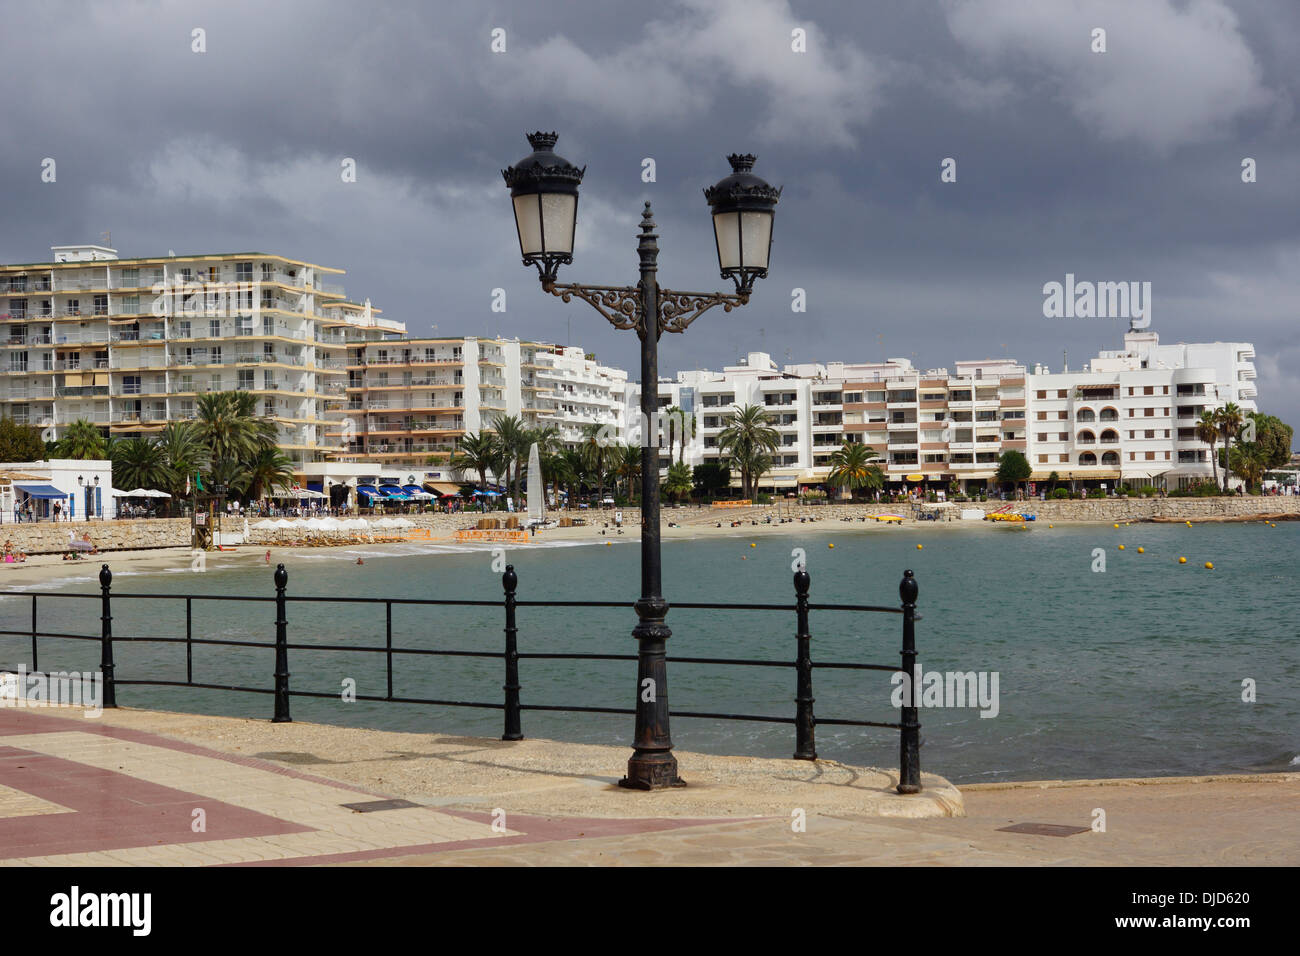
x: 651, y: 771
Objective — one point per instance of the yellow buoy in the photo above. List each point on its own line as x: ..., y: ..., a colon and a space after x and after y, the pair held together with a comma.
x: 1051, y: 526
x: 1182, y: 560
x: 753, y: 544
x: 830, y: 544
x: 1189, y: 524
x: 609, y: 544
x: 1142, y: 550
x: 1117, y: 524
x: 1121, y: 547
x: 1209, y: 565
x: 918, y: 547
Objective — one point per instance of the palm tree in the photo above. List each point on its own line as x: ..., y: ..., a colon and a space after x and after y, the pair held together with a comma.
x: 1250, y: 463
x: 82, y: 440
x: 1230, y: 420
x: 574, y: 471
x: 183, y: 453
x: 269, y: 469
x: 476, y: 453
x: 1207, y: 430
x: 140, y: 463
x: 627, y: 465
x: 679, y: 481
x: 748, y: 439
x: 851, y: 468
x: 228, y: 425
x: 595, y: 453
x: 512, y: 445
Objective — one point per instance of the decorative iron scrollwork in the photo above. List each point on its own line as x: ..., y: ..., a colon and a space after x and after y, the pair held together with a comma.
x: 677, y: 310
x: 621, y: 305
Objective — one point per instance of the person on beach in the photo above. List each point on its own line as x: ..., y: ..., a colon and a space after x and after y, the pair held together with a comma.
x: 268, y: 557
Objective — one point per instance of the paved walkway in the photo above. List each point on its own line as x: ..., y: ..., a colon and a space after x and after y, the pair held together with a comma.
x: 145, y: 788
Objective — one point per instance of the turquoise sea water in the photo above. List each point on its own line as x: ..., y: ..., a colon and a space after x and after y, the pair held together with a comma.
x: 1134, y: 671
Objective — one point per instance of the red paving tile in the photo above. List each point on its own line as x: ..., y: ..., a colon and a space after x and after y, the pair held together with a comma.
x: 112, y: 811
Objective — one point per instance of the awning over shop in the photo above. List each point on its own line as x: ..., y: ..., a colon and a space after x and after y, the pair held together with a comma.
x: 393, y: 492
x: 442, y: 487
x: 368, y: 490
x: 41, y: 491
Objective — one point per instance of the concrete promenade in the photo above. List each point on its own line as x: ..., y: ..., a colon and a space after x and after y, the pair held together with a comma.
x: 160, y: 789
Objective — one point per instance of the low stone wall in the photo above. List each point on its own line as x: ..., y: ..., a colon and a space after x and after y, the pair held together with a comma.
x: 52, y: 537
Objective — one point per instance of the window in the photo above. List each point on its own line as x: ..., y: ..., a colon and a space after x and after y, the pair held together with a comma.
x: 243, y: 272
x: 1042, y: 393
x: 1042, y: 416
x: 214, y: 328
x: 183, y: 329
x: 187, y: 384
x: 1064, y: 458
x: 1148, y: 390
x: 1062, y: 416
x: 1042, y: 459
x: 1063, y: 436
x: 1149, y: 433
x: 1061, y: 393
x: 1149, y: 412
x: 101, y: 305
x: 1042, y: 436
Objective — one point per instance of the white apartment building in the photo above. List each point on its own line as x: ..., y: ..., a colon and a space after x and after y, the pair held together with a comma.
x: 130, y: 344
x: 582, y: 392
x: 1130, y: 415
x: 412, y: 399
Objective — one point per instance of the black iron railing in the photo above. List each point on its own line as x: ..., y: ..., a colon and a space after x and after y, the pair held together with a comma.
x: 803, y: 719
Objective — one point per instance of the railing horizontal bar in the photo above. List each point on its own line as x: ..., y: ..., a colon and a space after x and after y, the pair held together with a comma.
x: 857, y: 723
x: 68, y: 594
x: 580, y: 657
x: 400, y: 700
x: 181, y: 683
x: 70, y: 637
x: 329, y: 599
x: 849, y: 665
x: 395, y: 650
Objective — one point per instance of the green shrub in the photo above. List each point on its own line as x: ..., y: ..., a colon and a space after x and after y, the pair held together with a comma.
x: 1096, y: 493
x: 1059, y: 493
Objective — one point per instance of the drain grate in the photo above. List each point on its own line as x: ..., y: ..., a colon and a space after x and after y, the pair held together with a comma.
x: 371, y: 806
x: 1044, y: 829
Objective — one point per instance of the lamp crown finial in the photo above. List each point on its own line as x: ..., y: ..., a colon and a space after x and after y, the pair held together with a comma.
x: 542, y: 141
x: 741, y: 162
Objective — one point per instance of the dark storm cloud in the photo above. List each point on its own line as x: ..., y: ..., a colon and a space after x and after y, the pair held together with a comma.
x: 1122, y: 165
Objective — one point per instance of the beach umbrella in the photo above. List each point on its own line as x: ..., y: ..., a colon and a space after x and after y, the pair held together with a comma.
x: 264, y: 525
x: 284, y: 523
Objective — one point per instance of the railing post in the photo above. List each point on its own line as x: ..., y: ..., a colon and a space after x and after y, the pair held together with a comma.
x: 281, y: 650
x: 805, y: 745
x: 106, y: 638
x: 36, y: 664
x: 909, y: 738
x: 513, y: 730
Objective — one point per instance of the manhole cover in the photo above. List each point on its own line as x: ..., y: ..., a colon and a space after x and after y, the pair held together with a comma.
x: 292, y: 756
x: 1044, y: 829
x: 370, y: 806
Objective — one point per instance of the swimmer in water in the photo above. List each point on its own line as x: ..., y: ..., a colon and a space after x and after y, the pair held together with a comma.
x: 360, y: 561
x: 268, y: 557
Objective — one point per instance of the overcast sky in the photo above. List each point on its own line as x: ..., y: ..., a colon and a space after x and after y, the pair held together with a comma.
x: 1122, y: 165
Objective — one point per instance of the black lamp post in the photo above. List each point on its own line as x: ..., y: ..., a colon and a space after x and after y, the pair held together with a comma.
x: 544, y: 189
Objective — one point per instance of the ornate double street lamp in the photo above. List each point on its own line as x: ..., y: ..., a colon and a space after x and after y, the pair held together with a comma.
x: 544, y: 189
